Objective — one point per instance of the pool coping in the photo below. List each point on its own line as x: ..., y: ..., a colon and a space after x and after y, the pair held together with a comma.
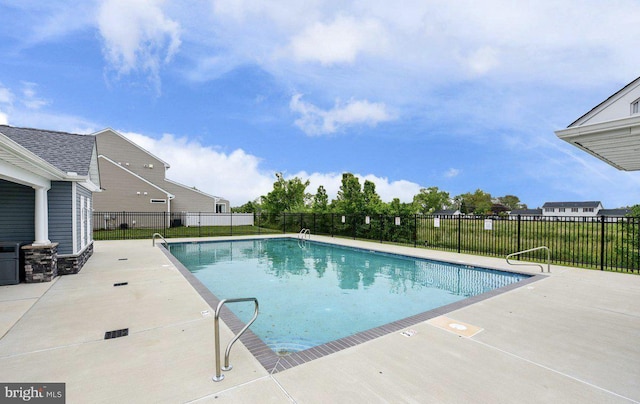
x: 274, y: 363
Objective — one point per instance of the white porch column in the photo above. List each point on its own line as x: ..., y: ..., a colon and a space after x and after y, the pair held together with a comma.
x: 41, y: 217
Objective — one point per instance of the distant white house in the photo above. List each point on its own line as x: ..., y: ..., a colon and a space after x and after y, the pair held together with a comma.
x: 571, y: 209
x: 589, y: 210
x: 611, y: 130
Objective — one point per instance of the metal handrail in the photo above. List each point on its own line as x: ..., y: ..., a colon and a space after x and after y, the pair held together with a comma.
x: 153, y: 239
x: 304, y: 232
x: 216, y: 322
x: 529, y: 250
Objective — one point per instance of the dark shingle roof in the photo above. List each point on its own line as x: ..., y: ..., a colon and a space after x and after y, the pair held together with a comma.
x: 66, y: 151
x: 588, y: 204
x: 527, y: 212
x: 614, y: 212
x: 446, y: 212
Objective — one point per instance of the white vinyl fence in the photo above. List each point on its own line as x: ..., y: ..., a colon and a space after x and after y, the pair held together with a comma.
x: 217, y: 219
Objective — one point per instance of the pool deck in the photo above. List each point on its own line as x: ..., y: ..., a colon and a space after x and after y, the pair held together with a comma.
x: 572, y: 337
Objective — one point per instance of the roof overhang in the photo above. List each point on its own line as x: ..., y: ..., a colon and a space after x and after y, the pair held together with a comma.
x: 615, y: 142
x: 22, y: 166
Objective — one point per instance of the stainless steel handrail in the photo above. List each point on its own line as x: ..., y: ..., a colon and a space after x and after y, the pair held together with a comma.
x: 529, y: 250
x: 304, y: 232
x: 216, y: 322
x: 153, y: 239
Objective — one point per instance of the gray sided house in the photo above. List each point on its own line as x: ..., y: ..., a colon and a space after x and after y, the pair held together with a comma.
x: 47, y: 181
x: 134, y: 180
x: 572, y: 209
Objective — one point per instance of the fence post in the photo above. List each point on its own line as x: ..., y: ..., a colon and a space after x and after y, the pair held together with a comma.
x: 602, y: 243
x: 459, y: 231
x: 284, y: 222
x: 519, y: 247
x: 332, y: 225
x: 415, y: 230
x: 231, y: 223
x: 355, y: 226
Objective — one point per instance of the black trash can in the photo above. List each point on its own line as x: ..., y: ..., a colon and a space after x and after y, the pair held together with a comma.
x: 9, y: 263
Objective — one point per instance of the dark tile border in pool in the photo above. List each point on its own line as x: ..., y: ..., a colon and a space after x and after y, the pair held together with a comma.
x: 274, y: 363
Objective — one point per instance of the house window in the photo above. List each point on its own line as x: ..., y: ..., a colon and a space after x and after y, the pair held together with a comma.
x: 587, y: 209
x: 220, y: 208
x: 574, y: 210
x: 548, y: 209
x: 635, y: 107
x: 561, y: 210
x: 158, y: 201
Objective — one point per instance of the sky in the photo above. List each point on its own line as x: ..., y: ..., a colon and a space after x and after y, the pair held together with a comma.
x: 459, y: 95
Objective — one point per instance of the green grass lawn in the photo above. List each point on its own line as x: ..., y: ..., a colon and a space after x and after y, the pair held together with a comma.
x: 181, y: 231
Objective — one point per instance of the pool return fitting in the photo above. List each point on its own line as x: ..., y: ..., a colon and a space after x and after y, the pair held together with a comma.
x: 219, y: 376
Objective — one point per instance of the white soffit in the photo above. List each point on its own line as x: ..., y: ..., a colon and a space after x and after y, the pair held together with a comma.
x: 615, y: 142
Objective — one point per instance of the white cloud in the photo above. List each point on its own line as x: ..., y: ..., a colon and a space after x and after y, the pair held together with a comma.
x: 137, y: 36
x: 237, y: 175
x: 6, y: 96
x: 315, y: 121
x: 388, y: 190
x: 339, y: 42
x: 30, y: 98
x: 483, y: 60
x: 6, y: 102
x: 452, y: 172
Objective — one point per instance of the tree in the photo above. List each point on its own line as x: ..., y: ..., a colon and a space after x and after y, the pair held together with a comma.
x: 249, y: 207
x: 320, y: 201
x: 429, y: 200
x: 350, y: 199
x: 397, y: 208
x: 631, y: 231
x: 478, y: 202
x: 372, y: 202
x: 287, y: 195
x: 512, y: 202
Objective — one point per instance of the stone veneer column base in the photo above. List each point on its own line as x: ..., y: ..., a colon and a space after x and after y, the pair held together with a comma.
x: 40, y: 262
x: 72, y: 264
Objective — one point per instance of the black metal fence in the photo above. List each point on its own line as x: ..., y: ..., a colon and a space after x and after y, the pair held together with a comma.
x: 606, y: 243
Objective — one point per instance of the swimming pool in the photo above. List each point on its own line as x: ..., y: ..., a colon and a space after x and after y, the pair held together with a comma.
x: 312, y: 293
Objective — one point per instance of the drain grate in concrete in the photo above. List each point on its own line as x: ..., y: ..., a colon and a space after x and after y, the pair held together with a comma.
x: 116, y: 333
x: 122, y: 259
x: 120, y: 283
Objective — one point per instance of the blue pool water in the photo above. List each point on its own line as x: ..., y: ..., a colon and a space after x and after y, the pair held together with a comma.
x: 311, y: 293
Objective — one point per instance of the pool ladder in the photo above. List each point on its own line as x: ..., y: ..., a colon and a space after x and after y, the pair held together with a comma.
x: 304, y: 233
x: 153, y: 239
x: 216, y: 322
x: 529, y: 250
x: 303, y: 236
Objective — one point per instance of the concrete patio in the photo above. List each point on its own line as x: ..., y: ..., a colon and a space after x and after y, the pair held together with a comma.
x: 569, y: 338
